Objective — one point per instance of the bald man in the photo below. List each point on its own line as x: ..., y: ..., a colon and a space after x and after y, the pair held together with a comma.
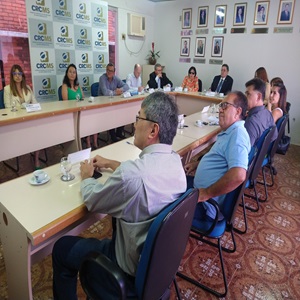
x: 134, y: 80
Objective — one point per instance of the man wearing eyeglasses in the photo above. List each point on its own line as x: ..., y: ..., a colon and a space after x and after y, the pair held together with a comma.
x: 259, y: 118
x: 222, y: 83
x: 112, y: 85
x: 224, y: 167
x: 134, y: 194
x: 158, y: 79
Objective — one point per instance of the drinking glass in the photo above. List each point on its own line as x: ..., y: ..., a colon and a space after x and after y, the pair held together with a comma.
x: 78, y: 97
x: 65, y: 167
x: 13, y: 105
x: 111, y: 94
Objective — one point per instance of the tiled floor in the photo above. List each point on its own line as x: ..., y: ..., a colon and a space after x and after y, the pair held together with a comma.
x: 266, y: 264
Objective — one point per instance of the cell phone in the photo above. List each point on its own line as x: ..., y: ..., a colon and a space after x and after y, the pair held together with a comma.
x: 97, y: 174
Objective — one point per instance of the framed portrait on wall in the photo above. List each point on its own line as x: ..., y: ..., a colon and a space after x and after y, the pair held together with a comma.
x: 239, y: 16
x: 202, y: 16
x: 220, y: 15
x: 200, y: 46
x: 261, y: 13
x: 186, y: 18
x: 217, y: 46
x: 285, y: 12
x: 185, y: 46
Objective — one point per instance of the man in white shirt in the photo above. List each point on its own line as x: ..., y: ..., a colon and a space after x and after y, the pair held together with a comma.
x: 134, y: 80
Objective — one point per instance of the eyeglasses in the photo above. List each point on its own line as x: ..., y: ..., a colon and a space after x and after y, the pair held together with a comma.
x: 192, y: 73
x: 224, y: 105
x: 140, y: 118
x: 17, y: 73
x: 110, y: 71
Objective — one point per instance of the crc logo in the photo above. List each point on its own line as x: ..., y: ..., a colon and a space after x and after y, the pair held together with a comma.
x: 42, y: 28
x: 82, y: 8
x: 44, y: 57
x: 46, y: 83
x: 86, y: 81
x: 101, y: 58
x: 64, y: 31
x: 40, y: 2
x: 66, y: 57
x: 99, y: 12
x: 100, y: 35
x: 63, y: 4
x: 83, y: 33
x: 85, y: 58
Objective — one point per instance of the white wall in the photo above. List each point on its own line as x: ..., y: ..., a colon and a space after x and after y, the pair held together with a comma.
x: 137, y: 48
x: 279, y: 53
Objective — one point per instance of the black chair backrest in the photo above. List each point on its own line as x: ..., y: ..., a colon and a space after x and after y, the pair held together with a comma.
x: 200, y: 85
x: 262, y: 146
x: 59, y: 94
x: 164, y: 247
x: 2, y: 99
x: 94, y: 89
x: 280, y: 124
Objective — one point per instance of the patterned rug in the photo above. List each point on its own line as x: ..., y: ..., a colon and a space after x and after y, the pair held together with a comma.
x: 266, y: 264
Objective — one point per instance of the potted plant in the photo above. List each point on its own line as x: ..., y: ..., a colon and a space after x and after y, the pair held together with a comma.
x: 152, y: 57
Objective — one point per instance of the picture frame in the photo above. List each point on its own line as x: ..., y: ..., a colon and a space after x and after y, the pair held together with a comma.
x: 220, y: 15
x: 185, y: 46
x: 261, y: 12
x: 186, y: 18
x: 217, y: 46
x: 239, y: 16
x: 200, y: 46
x: 202, y: 16
x: 285, y: 12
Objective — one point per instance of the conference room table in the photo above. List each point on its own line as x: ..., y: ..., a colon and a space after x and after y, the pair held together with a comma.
x: 33, y: 217
x: 67, y: 122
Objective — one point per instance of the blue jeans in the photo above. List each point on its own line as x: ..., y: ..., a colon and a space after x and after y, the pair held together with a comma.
x: 67, y: 255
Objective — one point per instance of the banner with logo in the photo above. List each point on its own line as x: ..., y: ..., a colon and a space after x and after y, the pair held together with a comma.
x: 63, y: 32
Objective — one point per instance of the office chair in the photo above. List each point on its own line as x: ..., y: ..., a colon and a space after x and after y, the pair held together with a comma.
x: 262, y: 146
x: 200, y: 85
x: 2, y: 99
x: 204, y: 230
x: 160, y: 257
x: 94, y: 89
x: 269, y: 158
x: 59, y: 94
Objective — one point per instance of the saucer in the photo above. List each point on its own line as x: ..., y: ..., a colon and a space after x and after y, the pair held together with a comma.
x: 32, y: 181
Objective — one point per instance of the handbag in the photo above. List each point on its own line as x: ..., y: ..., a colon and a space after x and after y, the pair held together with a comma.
x: 283, y: 145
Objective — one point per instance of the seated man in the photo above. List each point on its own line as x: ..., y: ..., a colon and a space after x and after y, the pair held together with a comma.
x: 110, y: 85
x: 134, y: 80
x: 158, y: 79
x: 259, y: 118
x: 224, y: 167
x: 222, y: 83
x: 134, y: 194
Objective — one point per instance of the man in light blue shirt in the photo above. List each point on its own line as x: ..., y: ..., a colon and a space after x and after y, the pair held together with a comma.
x: 224, y: 167
x: 134, y: 80
x: 112, y: 85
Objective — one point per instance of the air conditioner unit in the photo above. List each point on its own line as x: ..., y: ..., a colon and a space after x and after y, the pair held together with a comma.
x: 136, y: 25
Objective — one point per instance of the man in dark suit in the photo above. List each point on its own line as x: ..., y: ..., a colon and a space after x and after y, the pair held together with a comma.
x: 158, y: 79
x: 285, y: 14
x: 222, y: 83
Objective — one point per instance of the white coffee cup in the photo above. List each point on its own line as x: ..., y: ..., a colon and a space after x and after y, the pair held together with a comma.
x: 91, y: 99
x: 185, y: 90
x: 221, y: 95
x: 39, y: 175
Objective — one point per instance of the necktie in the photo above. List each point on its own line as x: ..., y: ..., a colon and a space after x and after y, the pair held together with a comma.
x: 158, y: 83
x: 219, y: 86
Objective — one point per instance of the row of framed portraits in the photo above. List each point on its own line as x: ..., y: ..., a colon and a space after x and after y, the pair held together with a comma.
x: 200, y: 45
x: 285, y: 14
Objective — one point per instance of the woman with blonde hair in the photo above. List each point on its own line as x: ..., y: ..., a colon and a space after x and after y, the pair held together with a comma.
x: 20, y: 93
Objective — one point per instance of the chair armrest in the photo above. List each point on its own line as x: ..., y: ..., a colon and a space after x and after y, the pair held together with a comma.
x: 101, y: 278
x: 208, y: 226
